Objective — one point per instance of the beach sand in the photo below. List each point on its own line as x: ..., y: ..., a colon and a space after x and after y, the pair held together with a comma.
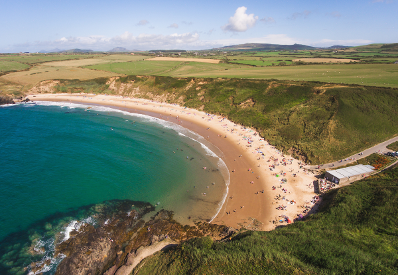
x: 251, y: 201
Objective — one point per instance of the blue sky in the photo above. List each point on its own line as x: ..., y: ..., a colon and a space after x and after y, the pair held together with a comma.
x: 144, y: 25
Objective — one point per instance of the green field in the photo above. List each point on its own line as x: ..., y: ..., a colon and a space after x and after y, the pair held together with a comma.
x: 139, y: 67
x: 40, y: 58
x: 261, y: 63
x: 14, y: 62
x: 9, y: 66
x: 383, y: 75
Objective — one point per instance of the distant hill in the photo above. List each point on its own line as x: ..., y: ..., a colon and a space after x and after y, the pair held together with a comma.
x: 118, y: 49
x: 51, y: 51
x: 338, y: 47
x: 264, y: 47
x: 369, y: 46
x: 78, y: 51
x: 167, y: 51
x: 390, y: 47
x: 67, y: 51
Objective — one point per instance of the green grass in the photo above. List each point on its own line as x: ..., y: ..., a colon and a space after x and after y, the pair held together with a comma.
x: 260, y: 63
x: 9, y: 66
x: 393, y: 146
x: 355, y: 232
x: 40, y: 58
x: 139, y: 67
x: 383, y: 75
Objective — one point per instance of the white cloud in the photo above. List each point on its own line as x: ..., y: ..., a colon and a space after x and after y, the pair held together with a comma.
x: 267, y: 20
x: 89, y: 40
x: 148, y: 42
x: 174, y: 26
x: 241, y: 21
x: 143, y: 22
x: 298, y: 15
x: 188, y: 41
x: 127, y: 39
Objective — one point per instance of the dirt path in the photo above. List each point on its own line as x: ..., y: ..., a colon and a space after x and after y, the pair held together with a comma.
x: 142, y: 253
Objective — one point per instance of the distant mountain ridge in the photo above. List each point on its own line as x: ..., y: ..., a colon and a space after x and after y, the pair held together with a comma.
x: 119, y: 49
x: 264, y: 47
x: 273, y: 47
x: 68, y: 51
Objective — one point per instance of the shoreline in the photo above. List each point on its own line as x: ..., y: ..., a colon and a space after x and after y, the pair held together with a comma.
x: 250, y: 201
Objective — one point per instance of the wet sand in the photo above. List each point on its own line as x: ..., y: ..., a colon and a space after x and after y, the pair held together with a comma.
x: 251, y: 199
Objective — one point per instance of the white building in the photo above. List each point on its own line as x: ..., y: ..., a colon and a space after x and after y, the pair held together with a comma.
x: 349, y: 173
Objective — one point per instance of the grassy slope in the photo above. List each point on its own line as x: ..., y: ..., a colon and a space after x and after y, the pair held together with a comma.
x: 393, y: 146
x: 322, y: 122
x: 355, y: 232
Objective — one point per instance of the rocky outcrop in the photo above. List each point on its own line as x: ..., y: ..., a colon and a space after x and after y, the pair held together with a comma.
x: 6, y: 100
x: 115, y: 248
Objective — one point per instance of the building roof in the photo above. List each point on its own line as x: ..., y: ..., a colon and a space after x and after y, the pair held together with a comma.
x: 351, y: 171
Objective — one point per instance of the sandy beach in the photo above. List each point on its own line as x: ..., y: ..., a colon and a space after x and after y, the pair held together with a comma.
x: 262, y: 179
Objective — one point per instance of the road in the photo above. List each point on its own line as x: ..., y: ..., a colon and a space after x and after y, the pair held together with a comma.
x: 379, y: 148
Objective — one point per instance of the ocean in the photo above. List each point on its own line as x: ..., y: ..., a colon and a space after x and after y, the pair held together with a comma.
x: 59, y: 160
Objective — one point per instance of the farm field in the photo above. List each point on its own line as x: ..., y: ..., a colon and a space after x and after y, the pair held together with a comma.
x: 384, y: 75
x: 61, y: 69
x: 40, y: 73
x: 138, y: 68
x: 8, y: 66
x: 325, y: 60
x: 149, y: 67
x: 40, y: 58
x: 97, y: 60
x: 203, y: 60
x: 373, y: 66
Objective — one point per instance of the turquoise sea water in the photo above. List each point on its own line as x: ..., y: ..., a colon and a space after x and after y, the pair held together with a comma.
x: 57, y: 158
